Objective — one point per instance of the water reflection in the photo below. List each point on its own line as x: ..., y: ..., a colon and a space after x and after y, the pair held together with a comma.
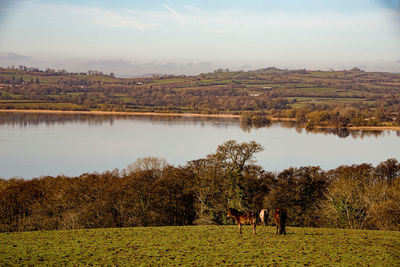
x: 22, y: 119
x: 340, y: 132
x: 49, y: 119
x: 32, y: 145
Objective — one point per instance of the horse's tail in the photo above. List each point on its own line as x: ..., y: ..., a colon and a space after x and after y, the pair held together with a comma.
x: 257, y: 214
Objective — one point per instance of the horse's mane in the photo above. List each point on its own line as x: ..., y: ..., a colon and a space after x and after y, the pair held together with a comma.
x: 234, y: 211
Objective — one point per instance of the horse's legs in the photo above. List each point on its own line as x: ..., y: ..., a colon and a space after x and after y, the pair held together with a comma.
x: 254, y: 227
x: 277, y: 228
x: 240, y: 228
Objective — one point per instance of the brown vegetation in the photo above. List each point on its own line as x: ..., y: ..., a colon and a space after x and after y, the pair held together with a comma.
x: 151, y: 192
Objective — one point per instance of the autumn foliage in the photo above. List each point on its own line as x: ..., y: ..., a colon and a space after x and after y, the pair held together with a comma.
x: 152, y: 193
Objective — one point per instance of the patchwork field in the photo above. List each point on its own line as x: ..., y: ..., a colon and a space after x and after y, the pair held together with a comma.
x: 351, y: 97
x: 200, y: 245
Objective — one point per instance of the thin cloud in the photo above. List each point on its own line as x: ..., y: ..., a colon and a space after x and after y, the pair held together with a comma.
x: 11, y: 56
x: 194, y: 9
x: 175, y: 14
x: 96, y: 16
x: 108, y: 18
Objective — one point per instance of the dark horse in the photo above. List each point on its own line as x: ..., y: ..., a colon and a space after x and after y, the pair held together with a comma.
x: 243, y: 218
x: 280, y: 221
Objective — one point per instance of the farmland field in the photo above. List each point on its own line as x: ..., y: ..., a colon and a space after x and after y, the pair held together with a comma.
x: 354, y: 98
x: 200, y: 245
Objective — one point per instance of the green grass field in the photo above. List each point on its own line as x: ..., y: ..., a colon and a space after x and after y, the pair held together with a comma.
x: 200, y: 245
x: 27, y: 104
x: 302, y: 101
x: 169, y: 81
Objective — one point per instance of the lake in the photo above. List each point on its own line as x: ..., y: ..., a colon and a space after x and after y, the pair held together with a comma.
x: 33, y: 145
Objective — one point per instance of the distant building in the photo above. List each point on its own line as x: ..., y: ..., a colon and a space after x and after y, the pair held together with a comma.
x: 33, y: 69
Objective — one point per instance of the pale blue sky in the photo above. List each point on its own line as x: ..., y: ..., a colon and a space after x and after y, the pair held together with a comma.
x: 136, y: 37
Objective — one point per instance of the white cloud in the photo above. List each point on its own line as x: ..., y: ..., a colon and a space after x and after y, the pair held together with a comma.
x: 246, y: 37
x: 96, y: 16
x: 194, y: 9
x: 235, y: 21
x: 108, y: 18
x: 231, y: 21
x: 175, y: 14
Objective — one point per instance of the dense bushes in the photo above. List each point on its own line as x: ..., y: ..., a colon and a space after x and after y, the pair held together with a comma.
x: 151, y: 192
x: 361, y: 196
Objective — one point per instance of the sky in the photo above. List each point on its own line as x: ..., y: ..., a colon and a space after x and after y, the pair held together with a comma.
x: 132, y: 38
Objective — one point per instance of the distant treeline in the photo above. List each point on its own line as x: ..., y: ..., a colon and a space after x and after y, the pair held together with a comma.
x: 150, y: 192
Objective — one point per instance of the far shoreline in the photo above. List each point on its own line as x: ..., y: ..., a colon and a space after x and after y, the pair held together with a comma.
x: 194, y: 115
x: 96, y: 112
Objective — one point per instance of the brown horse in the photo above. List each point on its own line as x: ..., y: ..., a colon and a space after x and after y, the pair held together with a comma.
x: 243, y: 218
x: 280, y: 221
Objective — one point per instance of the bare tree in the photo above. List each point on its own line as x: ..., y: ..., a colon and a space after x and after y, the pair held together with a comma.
x: 147, y: 164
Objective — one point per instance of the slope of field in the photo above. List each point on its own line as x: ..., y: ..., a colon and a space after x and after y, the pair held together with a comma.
x: 200, y: 245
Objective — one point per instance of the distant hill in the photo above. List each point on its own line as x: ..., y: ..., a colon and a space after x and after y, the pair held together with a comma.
x: 315, y: 98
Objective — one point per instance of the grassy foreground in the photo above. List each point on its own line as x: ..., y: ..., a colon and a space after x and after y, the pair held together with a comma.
x: 200, y: 245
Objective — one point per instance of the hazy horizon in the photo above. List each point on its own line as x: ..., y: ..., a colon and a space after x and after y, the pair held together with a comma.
x: 133, y: 38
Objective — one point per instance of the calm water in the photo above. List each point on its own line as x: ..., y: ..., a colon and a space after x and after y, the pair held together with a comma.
x: 32, y: 145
